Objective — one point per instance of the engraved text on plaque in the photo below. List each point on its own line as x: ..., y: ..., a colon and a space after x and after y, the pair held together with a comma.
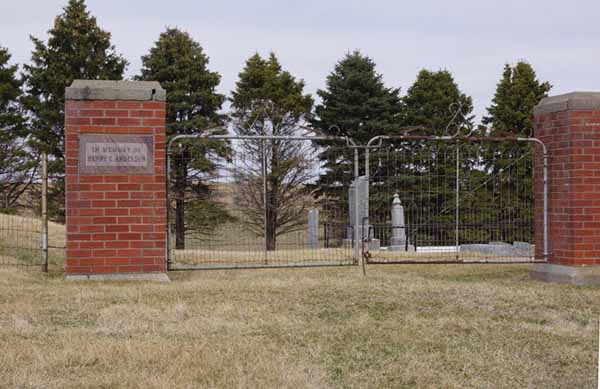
x: 116, y: 154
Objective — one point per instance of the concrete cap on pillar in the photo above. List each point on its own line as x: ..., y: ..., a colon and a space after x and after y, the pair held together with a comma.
x: 396, y: 200
x: 115, y: 90
x: 568, y: 102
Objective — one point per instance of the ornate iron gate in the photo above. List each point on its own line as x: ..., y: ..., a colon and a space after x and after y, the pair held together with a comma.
x: 451, y: 199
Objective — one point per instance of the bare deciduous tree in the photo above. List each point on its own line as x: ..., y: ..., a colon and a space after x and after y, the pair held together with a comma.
x: 272, y: 180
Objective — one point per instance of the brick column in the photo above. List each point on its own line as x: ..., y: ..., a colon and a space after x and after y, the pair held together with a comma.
x: 569, y: 125
x: 115, y: 180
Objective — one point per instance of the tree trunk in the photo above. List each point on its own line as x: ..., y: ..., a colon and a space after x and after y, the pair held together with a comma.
x: 272, y: 201
x: 180, y: 182
x: 271, y: 225
x: 179, y: 224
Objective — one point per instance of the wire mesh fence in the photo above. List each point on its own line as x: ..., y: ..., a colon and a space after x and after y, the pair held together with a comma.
x: 450, y: 201
x: 27, y: 239
x: 259, y: 201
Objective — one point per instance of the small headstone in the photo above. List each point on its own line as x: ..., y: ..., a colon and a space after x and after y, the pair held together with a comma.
x: 313, y: 228
x: 501, y: 249
x: 523, y: 246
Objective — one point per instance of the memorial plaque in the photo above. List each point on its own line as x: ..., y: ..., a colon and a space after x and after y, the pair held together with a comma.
x: 116, y: 154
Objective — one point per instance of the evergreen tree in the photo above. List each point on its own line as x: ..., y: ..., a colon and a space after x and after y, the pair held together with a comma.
x: 181, y: 66
x: 77, y: 49
x: 11, y: 117
x: 428, y: 102
x: 356, y: 104
x: 17, y: 165
x: 424, y: 173
x: 269, y: 101
x: 511, y: 115
x: 511, y: 112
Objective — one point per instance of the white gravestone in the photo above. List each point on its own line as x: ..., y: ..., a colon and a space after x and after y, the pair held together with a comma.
x: 398, y: 240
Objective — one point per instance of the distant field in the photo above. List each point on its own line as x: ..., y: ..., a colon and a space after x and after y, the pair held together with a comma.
x: 401, y: 326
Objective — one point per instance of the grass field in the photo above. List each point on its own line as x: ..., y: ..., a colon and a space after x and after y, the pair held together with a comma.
x: 401, y: 326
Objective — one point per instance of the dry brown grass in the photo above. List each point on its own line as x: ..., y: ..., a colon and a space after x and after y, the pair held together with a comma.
x: 412, y: 326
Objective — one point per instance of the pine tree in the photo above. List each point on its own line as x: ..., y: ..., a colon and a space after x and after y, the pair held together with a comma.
x: 77, y: 48
x: 181, y: 66
x: 425, y: 174
x: 269, y: 101
x: 357, y: 104
x: 511, y: 112
x: 17, y: 164
x: 511, y: 115
x: 11, y: 117
x: 428, y: 102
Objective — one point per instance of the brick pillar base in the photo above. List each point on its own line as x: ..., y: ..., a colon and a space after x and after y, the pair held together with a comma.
x: 115, y: 180
x: 569, y: 125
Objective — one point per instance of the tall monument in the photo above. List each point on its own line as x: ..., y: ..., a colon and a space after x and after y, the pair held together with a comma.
x: 398, y: 241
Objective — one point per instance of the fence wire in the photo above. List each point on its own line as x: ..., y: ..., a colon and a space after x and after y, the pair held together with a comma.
x: 244, y: 202
x: 27, y: 238
x: 453, y: 202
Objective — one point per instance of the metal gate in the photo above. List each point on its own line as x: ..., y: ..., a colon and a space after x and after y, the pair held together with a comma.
x: 239, y: 201
x: 452, y: 199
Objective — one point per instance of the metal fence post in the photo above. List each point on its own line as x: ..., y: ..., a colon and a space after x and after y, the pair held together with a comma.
x: 45, y: 212
x: 266, y: 213
x: 356, y: 205
x: 169, y: 233
x: 457, y: 202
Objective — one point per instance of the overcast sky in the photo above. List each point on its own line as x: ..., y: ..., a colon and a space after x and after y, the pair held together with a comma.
x: 471, y: 38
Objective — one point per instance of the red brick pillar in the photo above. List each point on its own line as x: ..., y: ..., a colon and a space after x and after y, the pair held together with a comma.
x: 569, y: 125
x: 115, y: 180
